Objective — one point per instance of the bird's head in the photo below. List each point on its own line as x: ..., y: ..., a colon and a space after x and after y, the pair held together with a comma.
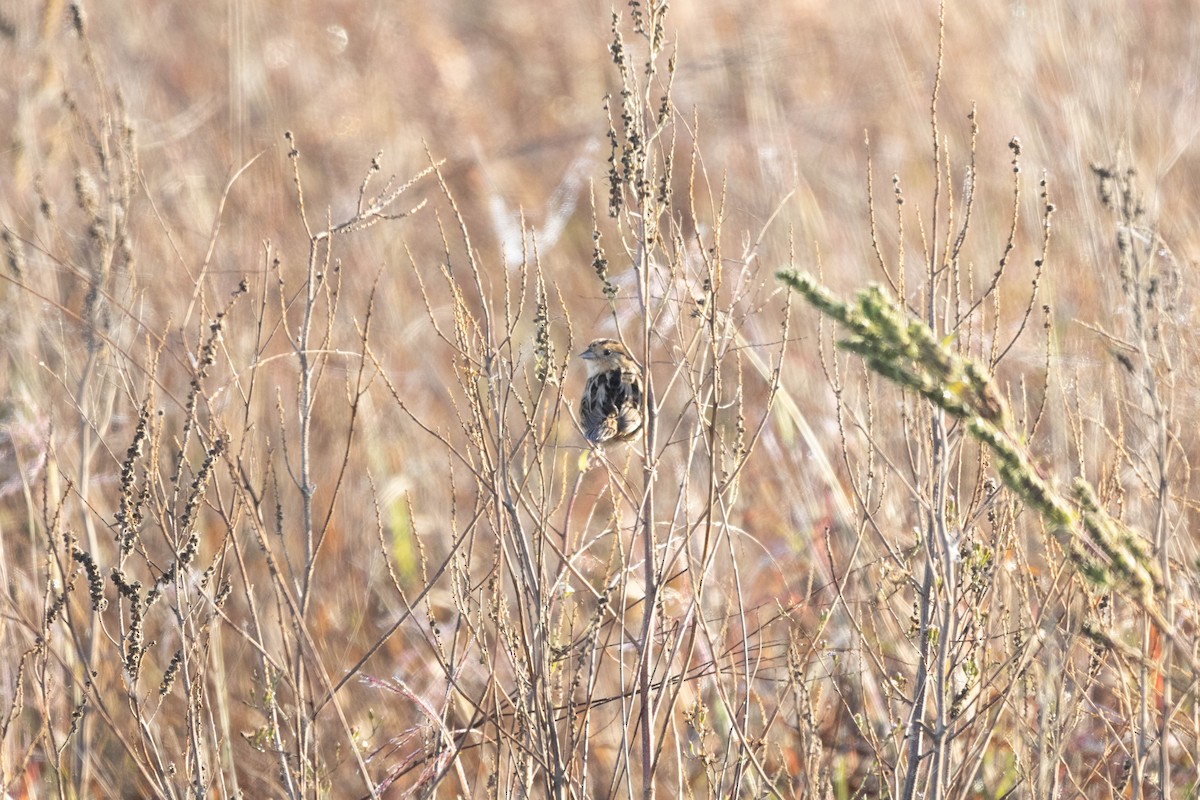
x: 604, y: 355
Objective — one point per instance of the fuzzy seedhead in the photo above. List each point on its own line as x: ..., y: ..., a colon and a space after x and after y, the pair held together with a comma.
x: 168, y: 679
x: 543, y: 347
x: 133, y: 501
x: 905, y: 351
x: 95, y: 581
x: 14, y: 252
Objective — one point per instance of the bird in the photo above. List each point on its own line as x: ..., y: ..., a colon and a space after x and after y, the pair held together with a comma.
x: 611, y: 407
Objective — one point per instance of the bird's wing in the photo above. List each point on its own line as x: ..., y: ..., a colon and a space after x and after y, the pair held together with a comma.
x: 624, y: 401
x: 612, y: 406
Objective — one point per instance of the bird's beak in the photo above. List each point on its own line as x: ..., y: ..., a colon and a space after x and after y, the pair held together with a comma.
x: 588, y: 354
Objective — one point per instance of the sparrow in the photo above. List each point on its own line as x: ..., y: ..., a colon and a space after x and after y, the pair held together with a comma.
x: 611, y: 407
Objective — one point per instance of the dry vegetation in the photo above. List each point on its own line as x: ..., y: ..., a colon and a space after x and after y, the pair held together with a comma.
x: 292, y: 498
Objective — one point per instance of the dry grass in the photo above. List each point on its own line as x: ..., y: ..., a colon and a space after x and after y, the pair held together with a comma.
x: 293, y: 503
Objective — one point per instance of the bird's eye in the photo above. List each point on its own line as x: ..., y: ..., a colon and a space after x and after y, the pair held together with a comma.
x: 607, y: 352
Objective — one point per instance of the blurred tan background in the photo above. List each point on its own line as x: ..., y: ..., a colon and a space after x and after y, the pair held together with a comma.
x: 778, y: 95
x: 511, y: 94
